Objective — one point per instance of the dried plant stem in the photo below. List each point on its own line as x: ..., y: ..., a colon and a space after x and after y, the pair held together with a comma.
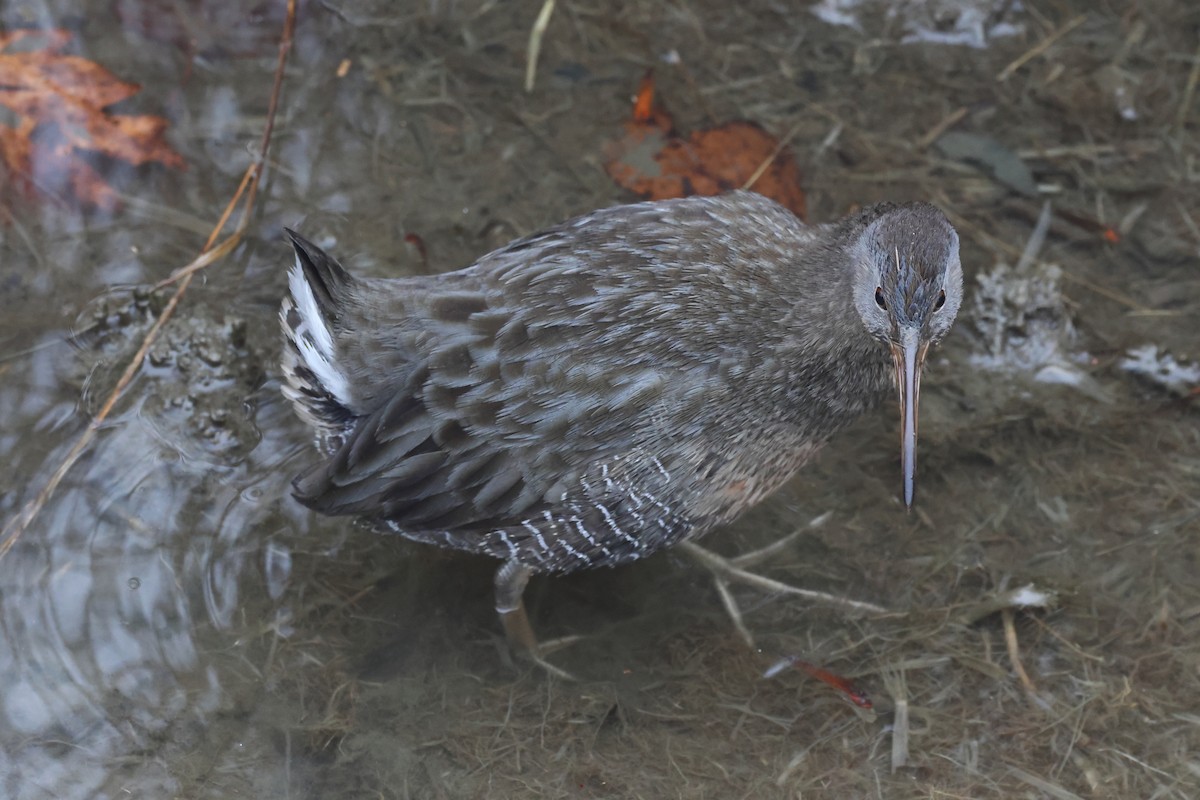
x: 769, y: 160
x: 1189, y: 91
x: 897, y: 687
x: 946, y: 123
x: 209, y: 254
x: 535, y: 43
x: 1040, y: 47
x: 1014, y: 651
x: 727, y: 570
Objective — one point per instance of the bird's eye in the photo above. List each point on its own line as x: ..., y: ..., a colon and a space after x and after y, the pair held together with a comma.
x: 879, y: 301
x: 941, y: 301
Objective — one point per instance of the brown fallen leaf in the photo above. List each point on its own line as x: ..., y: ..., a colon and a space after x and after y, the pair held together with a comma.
x: 60, y: 103
x: 653, y: 161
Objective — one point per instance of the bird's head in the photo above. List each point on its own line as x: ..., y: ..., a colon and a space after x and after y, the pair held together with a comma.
x: 908, y: 289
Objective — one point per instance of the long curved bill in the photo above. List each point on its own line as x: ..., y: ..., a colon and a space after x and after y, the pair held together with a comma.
x: 909, y: 355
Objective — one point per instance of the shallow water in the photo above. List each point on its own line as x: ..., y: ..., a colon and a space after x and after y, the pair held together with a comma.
x: 174, y: 625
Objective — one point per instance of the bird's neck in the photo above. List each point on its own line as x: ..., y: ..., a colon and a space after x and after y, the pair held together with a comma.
x: 827, y: 358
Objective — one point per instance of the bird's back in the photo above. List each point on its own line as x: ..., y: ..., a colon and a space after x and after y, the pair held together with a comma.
x: 583, y: 396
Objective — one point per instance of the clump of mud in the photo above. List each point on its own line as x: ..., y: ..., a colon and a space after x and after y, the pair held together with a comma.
x: 198, y: 377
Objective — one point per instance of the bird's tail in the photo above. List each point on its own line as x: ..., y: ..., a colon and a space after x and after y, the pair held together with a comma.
x: 314, y: 381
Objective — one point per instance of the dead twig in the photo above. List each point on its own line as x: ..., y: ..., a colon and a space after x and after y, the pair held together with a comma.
x: 1040, y: 47
x: 246, y: 194
x: 948, y: 122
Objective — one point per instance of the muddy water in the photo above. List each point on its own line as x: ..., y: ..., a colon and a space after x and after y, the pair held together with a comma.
x: 174, y: 625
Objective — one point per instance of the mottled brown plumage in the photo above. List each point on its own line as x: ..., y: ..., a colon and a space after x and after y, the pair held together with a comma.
x: 590, y: 394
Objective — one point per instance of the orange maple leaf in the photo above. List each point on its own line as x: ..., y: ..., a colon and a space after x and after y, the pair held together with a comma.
x: 60, y: 103
x: 655, y: 162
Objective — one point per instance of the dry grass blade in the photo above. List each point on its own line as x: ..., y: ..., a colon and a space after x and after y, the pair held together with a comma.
x: 535, y: 43
x: 1043, y: 785
x: 1040, y: 47
x: 769, y: 160
x: 1014, y: 651
x: 947, y: 122
x: 897, y: 686
x: 209, y: 254
x: 1189, y: 92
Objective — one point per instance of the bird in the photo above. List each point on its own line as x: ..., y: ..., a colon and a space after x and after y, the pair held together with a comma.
x: 625, y: 381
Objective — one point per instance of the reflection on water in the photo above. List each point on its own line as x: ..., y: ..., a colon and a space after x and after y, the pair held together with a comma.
x: 117, y: 608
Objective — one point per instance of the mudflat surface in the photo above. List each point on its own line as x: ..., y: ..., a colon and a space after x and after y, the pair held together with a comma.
x: 172, y: 624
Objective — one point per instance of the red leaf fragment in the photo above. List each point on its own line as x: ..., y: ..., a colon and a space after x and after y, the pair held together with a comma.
x: 60, y: 103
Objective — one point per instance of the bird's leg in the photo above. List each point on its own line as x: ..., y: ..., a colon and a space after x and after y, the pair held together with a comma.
x: 511, y: 579
x: 727, y: 570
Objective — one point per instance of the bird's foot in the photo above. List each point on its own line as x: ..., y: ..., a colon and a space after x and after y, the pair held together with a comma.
x: 511, y: 579
x: 730, y: 570
x: 523, y: 640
